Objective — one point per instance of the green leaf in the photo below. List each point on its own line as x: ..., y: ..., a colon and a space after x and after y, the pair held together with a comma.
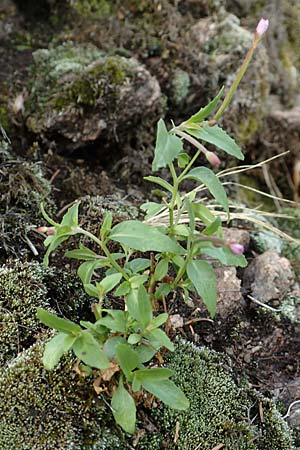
x: 124, y: 409
x: 167, y: 392
x: 53, y: 321
x: 139, y: 305
x: 83, y: 253
x: 160, y: 181
x: 55, y: 348
x: 86, y: 270
x: 203, y: 213
x: 203, y: 277
x: 106, y: 225
x: 110, y: 345
x: 167, y: 147
x: 151, y: 208
x: 154, y: 374
x: 159, y: 320
x: 181, y: 230
x: 70, y: 219
x: 146, y: 351
x: 183, y: 160
x: 161, y: 270
x: 138, y: 264
x: 127, y: 358
x: 207, y: 110
x: 211, y: 181
x: 116, y: 320
x: 134, y: 338
x: 225, y: 256
x: 143, y: 237
x: 158, y: 336
x: 88, y: 350
x: 109, y: 282
x: 213, y: 227
x: 218, y: 137
x: 123, y: 289
x: 163, y: 290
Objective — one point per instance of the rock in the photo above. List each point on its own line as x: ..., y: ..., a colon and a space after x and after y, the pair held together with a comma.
x: 237, y: 235
x: 228, y: 291
x: 268, y: 276
x: 78, y: 95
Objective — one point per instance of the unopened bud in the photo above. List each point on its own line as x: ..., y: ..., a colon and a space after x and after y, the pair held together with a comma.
x: 237, y: 249
x: 262, y: 27
x: 213, y: 159
x: 49, y: 231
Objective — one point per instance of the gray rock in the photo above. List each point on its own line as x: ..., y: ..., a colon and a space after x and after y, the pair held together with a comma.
x: 269, y: 276
x: 228, y: 291
x: 79, y: 94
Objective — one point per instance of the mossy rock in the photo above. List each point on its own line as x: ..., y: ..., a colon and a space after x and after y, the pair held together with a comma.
x: 22, y: 190
x: 54, y: 410
x: 219, y: 409
x: 23, y: 288
x: 79, y: 95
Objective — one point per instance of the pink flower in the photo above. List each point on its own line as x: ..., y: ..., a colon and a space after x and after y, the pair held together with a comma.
x: 213, y: 159
x: 262, y: 27
x: 48, y: 230
x: 237, y: 249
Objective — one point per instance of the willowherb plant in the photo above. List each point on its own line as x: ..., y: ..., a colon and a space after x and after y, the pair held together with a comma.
x: 153, y: 260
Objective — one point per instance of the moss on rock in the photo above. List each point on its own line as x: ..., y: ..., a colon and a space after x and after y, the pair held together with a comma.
x: 54, y: 410
x: 219, y: 409
x: 23, y: 288
x: 79, y: 95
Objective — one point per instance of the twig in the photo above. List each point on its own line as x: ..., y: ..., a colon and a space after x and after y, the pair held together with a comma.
x: 296, y: 402
x: 31, y: 246
x: 264, y: 305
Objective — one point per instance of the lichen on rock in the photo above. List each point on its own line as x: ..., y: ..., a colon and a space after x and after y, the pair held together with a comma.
x: 79, y: 94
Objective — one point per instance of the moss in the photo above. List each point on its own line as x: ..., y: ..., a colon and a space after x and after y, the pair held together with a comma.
x: 248, y: 128
x: 218, y: 412
x: 23, y: 288
x: 92, y: 8
x: 54, y: 410
x: 179, y: 88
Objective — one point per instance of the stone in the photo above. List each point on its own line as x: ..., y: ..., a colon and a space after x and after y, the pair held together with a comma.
x: 228, y: 291
x: 79, y: 95
x: 269, y: 276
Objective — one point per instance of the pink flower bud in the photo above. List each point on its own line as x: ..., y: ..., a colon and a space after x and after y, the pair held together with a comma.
x: 262, y: 27
x: 48, y: 230
x: 237, y: 249
x: 213, y: 159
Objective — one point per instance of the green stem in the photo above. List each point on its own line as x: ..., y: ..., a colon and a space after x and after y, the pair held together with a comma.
x: 173, y: 199
x: 105, y: 251
x: 237, y: 80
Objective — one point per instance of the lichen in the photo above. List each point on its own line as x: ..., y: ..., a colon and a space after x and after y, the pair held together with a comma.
x: 219, y: 409
x: 92, y: 8
x: 53, y: 410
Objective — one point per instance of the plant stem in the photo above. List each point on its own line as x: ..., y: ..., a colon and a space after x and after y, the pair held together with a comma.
x: 105, y: 251
x: 173, y: 199
x: 190, y: 139
x: 237, y: 80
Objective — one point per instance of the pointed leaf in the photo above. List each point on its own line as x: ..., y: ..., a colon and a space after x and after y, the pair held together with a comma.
x: 203, y: 277
x: 140, y: 236
x: 59, y: 324
x: 168, y: 392
x: 83, y: 253
x: 124, y: 409
x: 225, y: 256
x: 167, y: 147
x: 88, y: 350
x: 109, y: 282
x: 139, y: 305
x: 218, y: 137
x: 207, y: 110
x: 71, y: 217
x: 55, y: 348
x: 127, y: 358
x: 212, y: 182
